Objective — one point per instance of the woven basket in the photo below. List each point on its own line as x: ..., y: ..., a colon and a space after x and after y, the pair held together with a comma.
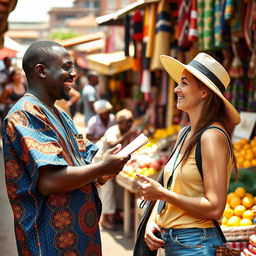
x: 238, y: 233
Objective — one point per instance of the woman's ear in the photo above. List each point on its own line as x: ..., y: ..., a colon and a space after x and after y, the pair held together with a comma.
x: 204, y: 94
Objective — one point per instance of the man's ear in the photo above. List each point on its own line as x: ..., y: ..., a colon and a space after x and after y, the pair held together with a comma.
x: 40, y: 70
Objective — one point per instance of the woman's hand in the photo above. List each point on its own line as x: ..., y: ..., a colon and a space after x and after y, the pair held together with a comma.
x: 149, y: 188
x: 151, y: 240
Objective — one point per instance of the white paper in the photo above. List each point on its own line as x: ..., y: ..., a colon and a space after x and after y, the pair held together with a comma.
x: 138, y: 142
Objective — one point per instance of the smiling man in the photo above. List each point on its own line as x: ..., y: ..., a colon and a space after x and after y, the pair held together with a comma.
x: 51, y: 182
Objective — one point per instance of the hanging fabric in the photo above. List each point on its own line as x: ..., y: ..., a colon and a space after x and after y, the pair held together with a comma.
x: 146, y: 75
x: 218, y: 43
x: 193, y: 33
x: 208, y: 33
x: 184, y: 12
x: 200, y: 23
x: 127, y: 36
x: 163, y: 34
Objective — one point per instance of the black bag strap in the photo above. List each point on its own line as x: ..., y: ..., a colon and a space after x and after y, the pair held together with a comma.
x: 198, y: 157
x: 160, y: 176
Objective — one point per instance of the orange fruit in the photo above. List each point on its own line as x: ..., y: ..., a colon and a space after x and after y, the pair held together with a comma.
x: 235, y: 201
x: 239, y: 210
x: 248, y: 214
x: 247, y: 164
x: 230, y: 196
x: 249, y: 195
x: 253, y: 162
x: 247, y: 201
x: 233, y: 221
x: 249, y: 156
x: 240, y: 191
x: 254, y: 200
x: 245, y: 222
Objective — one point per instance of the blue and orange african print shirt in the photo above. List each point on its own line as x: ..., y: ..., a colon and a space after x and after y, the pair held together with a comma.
x: 59, y: 224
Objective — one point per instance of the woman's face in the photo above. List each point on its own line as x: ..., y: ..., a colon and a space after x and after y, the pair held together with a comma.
x: 189, y: 92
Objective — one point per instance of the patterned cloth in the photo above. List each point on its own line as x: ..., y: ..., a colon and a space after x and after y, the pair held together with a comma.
x: 60, y: 224
x: 238, y: 244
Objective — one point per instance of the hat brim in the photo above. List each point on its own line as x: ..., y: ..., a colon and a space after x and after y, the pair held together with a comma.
x: 175, y: 68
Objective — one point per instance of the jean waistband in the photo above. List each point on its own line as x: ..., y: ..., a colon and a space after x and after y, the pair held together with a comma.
x: 178, y: 230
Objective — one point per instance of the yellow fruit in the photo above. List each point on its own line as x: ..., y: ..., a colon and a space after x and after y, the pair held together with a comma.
x: 227, y: 205
x: 248, y: 214
x: 233, y: 221
x: 239, y: 210
x: 228, y: 213
x: 224, y: 220
x: 235, y: 201
x: 247, y: 164
x: 245, y: 222
x: 240, y: 191
x: 247, y: 201
x: 254, y: 160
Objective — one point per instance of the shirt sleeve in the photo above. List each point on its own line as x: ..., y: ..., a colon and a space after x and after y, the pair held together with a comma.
x: 33, y: 140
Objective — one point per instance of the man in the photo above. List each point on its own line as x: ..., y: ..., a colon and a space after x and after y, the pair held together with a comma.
x: 111, y: 193
x: 90, y: 95
x: 100, y: 122
x: 49, y: 175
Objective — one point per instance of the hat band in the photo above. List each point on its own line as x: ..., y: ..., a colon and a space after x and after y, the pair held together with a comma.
x: 208, y: 73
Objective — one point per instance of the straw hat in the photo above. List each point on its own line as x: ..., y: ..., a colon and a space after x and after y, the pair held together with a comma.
x: 207, y: 70
x: 102, y: 106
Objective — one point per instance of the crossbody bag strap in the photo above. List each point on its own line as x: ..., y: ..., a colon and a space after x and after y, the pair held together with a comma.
x: 160, y: 176
x: 198, y: 157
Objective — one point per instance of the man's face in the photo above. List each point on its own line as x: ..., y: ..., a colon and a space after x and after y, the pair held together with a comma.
x: 60, y: 74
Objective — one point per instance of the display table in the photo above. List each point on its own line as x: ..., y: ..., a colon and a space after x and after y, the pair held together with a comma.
x: 130, y: 187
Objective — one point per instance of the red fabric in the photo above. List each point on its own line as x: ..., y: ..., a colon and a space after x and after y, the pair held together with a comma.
x: 192, y: 35
x: 241, y: 245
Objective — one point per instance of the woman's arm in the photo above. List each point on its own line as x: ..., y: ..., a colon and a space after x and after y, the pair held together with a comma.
x: 215, y: 157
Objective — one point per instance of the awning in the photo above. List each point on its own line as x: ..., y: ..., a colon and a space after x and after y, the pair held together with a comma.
x: 90, y: 47
x: 109, y: 63
x: 11, y: 48
x: 115, y: 18
x: 82, y: 39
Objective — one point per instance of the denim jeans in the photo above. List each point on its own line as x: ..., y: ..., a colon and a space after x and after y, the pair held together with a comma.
x: 190, y: 241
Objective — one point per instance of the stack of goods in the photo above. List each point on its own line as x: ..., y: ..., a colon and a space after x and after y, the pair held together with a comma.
x: 251, y: 248
x: 238, y: 222
x: 245, y: 152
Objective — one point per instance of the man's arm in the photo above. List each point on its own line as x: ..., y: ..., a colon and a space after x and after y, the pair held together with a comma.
x: 54, y: 179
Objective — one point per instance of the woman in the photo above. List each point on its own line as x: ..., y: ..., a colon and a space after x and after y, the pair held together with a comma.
x: 14, y: 90
x: 185, y: 211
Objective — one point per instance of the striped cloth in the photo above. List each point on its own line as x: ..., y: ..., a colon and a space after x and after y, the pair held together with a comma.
x: 238, y: 244
x: 193, y: 33
x: 208, y: 32
x: 217, y: 24
x: 184, y: 10
x: 163, y: 34
x: 200, y: 23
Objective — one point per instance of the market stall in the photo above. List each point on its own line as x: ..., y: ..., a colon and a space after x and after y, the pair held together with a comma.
x: 181, y: 29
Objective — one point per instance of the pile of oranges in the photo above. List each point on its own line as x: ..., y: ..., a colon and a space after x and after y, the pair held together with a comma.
x: 239, y: 209
x: 245, y: 152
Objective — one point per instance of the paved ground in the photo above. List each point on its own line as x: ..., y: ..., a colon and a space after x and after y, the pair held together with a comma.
x: 114, y: 243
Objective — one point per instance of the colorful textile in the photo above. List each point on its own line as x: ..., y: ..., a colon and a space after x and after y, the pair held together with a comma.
x: 217, y: 24
x: 208, y: 32
x: 193, y: 33
x: 163, y: 34
x: 60, y: 224
x: 184, y: 10
x: 200, y: 23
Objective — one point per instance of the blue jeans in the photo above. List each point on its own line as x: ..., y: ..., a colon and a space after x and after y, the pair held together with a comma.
x: 190, y: 241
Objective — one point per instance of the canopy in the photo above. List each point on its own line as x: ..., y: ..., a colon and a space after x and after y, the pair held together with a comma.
x: 109, y: 63
x: 115, y: 18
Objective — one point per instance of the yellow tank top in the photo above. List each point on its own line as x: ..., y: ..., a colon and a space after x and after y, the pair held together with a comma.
x: 186, y: 181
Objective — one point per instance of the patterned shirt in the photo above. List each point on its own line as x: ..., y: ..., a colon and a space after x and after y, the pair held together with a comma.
x: 62, y: 223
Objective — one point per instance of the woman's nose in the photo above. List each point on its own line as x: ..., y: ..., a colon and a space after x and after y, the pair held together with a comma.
x: 177, y: 88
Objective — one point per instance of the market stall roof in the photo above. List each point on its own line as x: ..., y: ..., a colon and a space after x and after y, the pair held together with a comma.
x: 109, y: 63
x: 82, y: 39
x: 88, y: 21
x: 90, y: 47
x: 115, y: 18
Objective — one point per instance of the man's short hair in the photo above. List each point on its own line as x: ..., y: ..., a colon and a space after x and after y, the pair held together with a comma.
x: 37, y: 52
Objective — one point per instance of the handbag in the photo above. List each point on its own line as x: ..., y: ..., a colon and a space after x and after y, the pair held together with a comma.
x: 140, y: 247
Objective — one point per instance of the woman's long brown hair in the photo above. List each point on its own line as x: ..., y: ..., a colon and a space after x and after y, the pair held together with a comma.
x: 213, y: 111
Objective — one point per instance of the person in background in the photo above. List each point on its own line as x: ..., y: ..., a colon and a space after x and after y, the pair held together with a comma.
x: 74, y: 95
x: 50, y: 178
x: 90, y: 95
x: 111, y: 193
x: 99, y: 123
x: 188, y: 203
x: 4, y: 73
x: 14, y: 90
